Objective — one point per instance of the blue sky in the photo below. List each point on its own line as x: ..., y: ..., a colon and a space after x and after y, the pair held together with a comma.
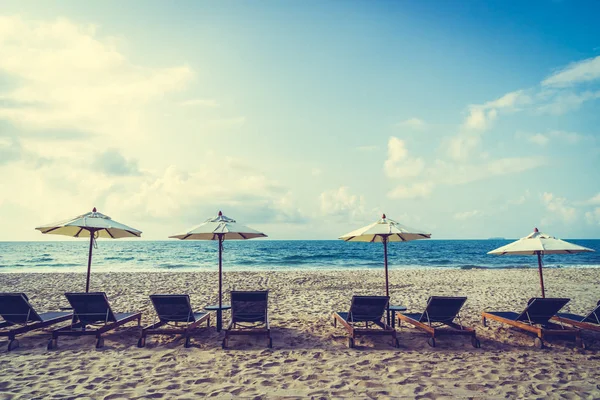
x: 303, y: 119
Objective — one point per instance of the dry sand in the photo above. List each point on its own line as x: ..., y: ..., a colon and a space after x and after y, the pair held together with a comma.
x: 310, y: 358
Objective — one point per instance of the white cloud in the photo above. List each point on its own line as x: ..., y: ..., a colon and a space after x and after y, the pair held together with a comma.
x: 112, y: 163
x: 561, y: 102
x: 67, y: 76
x: 457, y: 174
x: 414, y: 191
x: 462, y: 145
x: 412, y: 123
x: 569, y: 137
x: 575, y: 73
x: 594, y: 201
x: 593, y: 217
x: 559, y: 208
x: 343, y: 205
x: 508, y: 101
x: 521, y: 199
x: 399, y: 164
x: 538, y: 139
x: 542, y: 139
x: 479, y: 118
x: 467, y: 215
x: 177, y: 194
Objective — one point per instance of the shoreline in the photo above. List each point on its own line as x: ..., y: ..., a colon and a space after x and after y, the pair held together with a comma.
x: 282, y: 269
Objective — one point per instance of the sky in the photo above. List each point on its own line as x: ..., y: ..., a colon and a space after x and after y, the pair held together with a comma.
x: 304, y: 120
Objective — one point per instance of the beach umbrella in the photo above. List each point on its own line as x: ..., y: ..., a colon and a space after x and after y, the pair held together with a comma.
x: 538, y: 243
x: 220, y: 228
x: 383, y: 231
x: 93, y: 225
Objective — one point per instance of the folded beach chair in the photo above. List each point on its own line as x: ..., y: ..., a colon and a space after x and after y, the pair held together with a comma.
x: 19, y: 317
x: 438, y: 319
x: 536, y: 319
x: 248, y: 316
x: 590, y: 322
x: 367, y: 310
x: 175, y: 311
x: 92, y: 316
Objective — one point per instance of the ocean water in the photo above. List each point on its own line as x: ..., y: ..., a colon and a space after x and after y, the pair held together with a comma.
x: 131, y: 255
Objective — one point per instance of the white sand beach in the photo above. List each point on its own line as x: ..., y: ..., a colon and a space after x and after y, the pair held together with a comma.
x: 309, y: 358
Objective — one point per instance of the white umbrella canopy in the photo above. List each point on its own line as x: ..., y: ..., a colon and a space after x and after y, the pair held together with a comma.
x: 220, y: 228
x: 383, y: 231
x: 93, y: 225
x: 538, y: 243
x: 386, y: 230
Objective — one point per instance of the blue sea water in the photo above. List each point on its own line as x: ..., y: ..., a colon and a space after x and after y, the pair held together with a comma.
x: 119, y: 255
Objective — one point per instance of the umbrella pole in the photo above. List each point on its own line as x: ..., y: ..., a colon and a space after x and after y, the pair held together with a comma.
x: 385, y: 264
x: 220, y: 311
x: 541, y: 276
x: 220, y: 270
x: 387, y: 286
x: 87, y: 283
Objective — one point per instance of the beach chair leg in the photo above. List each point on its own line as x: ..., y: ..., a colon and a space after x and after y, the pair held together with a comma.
x: 539, y: 343
x: 475, y: 342
x: 431, y: 341
x: 350, y: 342
x: 13, y: 344
x: 142, y: 340
x: 53, y: 342
x: 579, y: 341
x: 99, y: 342
x: 483, y: 321
x: 208, y: 322
x: 188, y: 342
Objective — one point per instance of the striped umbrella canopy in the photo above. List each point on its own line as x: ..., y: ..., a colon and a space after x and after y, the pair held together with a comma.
x: 220, y: 228
x: 383, y: 231
x: 93, y: 225
x: 538, y: 243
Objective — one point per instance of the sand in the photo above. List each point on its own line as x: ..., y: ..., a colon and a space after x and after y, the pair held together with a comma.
x: 309, y: 358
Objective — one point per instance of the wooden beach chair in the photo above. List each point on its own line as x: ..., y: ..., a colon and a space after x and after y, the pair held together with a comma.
x: 249, y: 316
x: 367, y: 310
x: 175, y: 311
x: 20, y: 317
x: 589, y: 322
x: 536, y: 319
x: 92, y: 316
x: 438, y: 319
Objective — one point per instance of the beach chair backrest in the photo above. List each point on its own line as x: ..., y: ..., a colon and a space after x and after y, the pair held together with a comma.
x: 367, y: 308
x: 173, y: 307
x: 540, y: 310
x: 442, y: 309
x: 15, y: 308
x: 249, y: 306
x: 594, y: 316
x: 91, y: 308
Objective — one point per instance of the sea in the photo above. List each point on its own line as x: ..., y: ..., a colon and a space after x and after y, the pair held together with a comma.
x: 279, y: 255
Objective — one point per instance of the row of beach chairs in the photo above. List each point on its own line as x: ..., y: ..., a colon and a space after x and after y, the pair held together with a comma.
x: 91, y: 314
